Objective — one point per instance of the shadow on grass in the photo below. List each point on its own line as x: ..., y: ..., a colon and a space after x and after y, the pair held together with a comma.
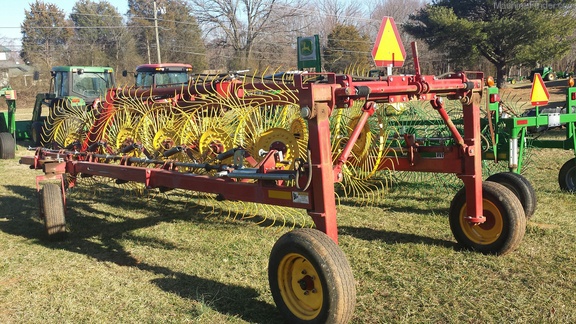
x: 228, y: 299
x: 86, y: 221
x: 369, y: 234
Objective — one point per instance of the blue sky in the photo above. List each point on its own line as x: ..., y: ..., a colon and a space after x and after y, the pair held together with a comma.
x: 13, y: 15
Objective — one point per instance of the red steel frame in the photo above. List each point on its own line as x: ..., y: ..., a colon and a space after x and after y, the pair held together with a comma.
x: 317, y: 102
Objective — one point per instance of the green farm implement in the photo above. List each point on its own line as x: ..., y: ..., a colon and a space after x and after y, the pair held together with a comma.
x: 546, y: 72
x: 8, y: 128
x: 506, y: 135
x: 510, y: 135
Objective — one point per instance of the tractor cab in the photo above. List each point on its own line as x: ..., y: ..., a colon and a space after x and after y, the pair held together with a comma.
x: 70, y: 86
x: 86, y: 82
x: 161, y: 75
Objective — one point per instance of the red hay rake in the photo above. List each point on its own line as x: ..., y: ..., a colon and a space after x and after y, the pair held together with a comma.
x: 309, y: 275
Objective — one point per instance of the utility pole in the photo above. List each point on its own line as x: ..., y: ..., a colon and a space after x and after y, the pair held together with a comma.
x: 156, y: 28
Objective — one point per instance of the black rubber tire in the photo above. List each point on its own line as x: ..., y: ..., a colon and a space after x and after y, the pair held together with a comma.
x: 521, y: 187
x: 567, y: 176
x: 550, y: 76
x: 36, y: 133
x: 505, y: 224
x: 7, y: 146
x: 310, y: 278
x: 52, y: 211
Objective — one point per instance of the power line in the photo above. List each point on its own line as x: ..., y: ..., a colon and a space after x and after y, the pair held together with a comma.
x: 93, y: 27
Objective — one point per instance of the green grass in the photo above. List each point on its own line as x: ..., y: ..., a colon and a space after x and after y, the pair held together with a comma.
x: 166, y: 259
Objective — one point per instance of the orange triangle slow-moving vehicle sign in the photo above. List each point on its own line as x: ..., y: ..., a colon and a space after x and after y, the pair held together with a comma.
x: 388, y: 49
x: 539, y: 94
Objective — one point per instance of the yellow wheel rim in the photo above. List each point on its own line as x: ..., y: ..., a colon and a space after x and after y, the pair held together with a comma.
x: 214, y: 136
x: 125, y: 137
x: 300, y: 286
x: 487, y: 232
x: 278, y: 139
x: 164, y: 140
x: 299, y: 130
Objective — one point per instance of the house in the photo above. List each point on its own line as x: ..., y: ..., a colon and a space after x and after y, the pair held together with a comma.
x: 11, y: 66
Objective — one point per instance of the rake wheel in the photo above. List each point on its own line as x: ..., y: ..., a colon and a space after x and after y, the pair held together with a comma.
x: 67, y: 125
x: 158, y: 129
x: 278, y: 139
x: 213, y: 142
x: 207, y: 132
x: 273, y: 127
x: 299, y: 130
x: 362, y: 145
x: 362, y: 178
x: 310, y: 279
x: 52, y: 211
x: 505, y: 223
x: 120, y: 130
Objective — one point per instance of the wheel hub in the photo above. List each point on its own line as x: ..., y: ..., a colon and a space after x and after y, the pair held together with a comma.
x: 164, y: 140
x: 307, y: 283
x: 278, y: 139
x: 300, y: 286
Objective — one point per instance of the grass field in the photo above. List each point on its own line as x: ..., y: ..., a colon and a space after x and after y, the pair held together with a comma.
x: 165, y: 259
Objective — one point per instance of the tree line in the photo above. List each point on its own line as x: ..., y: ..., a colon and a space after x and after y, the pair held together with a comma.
x: 492, y: 36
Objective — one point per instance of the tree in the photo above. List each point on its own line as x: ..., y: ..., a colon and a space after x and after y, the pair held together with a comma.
x: 141, y: 23
x: 347, y: 49
x: 45, y: 35
x: 180, y: 36
x: 339, y: 12
x: 241, y: 24
x: 511, y: 32
x: 98, y: 30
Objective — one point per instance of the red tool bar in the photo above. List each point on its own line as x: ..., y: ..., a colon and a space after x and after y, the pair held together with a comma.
x: 266, y: 192
x: 422, y: 87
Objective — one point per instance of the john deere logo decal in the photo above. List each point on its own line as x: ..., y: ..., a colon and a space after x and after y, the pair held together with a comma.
x: 306, y: 47
x: 308, y: 53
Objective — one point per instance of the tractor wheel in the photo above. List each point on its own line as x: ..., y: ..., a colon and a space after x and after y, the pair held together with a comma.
x: 52, y: 210
x: 505, y: 223
x: 567, y: 176
x: 36, y: 133
x: 310, y: 278
x: 550, y: 77
x: 521, y: 187
x: 7, y: 146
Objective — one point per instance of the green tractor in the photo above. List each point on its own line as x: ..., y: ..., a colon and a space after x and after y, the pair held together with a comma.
x: 70, y: 87
x: 546, y: 72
